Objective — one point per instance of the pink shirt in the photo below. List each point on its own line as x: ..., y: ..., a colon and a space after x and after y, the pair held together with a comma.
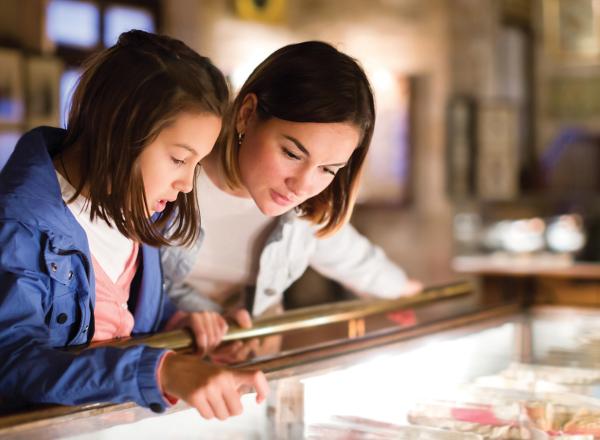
x: 112, y: 317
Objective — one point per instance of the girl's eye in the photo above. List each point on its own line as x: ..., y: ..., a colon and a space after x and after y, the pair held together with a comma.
x: 289, y: 154
x: 178, y: 162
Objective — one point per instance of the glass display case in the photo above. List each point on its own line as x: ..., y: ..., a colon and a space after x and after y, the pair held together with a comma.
x: 447, y: 367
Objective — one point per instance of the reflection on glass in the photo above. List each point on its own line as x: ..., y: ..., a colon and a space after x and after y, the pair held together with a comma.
x: 68, y: 80
x: 73, y: 23
x: 119, y: 19
x: 245, y: 350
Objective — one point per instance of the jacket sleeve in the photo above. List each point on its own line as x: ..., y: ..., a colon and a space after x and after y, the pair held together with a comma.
x: 352, y: 260
x: 31, y: 368
x: 177, y: 263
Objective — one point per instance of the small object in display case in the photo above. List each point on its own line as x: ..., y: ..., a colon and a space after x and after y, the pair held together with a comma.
x: 500, y: 421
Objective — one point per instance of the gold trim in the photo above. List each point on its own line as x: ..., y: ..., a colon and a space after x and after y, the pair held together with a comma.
x: 303, y: 318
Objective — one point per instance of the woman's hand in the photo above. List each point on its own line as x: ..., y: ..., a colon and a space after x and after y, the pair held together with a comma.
x: 411, y: 287
x: 213, y: 390
x: 208, y: 329
x: 241, y: 317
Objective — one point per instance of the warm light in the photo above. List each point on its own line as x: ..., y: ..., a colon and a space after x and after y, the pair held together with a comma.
x: 383, y: 80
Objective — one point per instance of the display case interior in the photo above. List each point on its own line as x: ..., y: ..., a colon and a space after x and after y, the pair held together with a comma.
x: 448, y: 369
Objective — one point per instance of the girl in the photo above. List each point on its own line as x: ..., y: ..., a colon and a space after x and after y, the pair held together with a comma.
x: 82, y: 212
x: 279, y: 188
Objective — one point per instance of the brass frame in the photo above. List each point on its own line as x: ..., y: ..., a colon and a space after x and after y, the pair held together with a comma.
x: 303, y: 318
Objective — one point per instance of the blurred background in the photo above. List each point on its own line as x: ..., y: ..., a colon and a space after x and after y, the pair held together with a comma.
x: 487, y: 145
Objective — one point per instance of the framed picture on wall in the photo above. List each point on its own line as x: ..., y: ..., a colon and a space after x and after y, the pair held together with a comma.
x: 387, y: 173
x: 572, y: 29
x: 270, y: 11
x: 460, y: 148
x: 43, y: 91
x: 497, y: 168
x: 12, y: 103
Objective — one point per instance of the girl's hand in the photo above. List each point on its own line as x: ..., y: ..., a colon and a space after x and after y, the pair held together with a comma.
x: 208, y: 329
x: 213, y: 390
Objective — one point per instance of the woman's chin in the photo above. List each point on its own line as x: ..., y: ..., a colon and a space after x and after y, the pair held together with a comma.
x: 273, y: 209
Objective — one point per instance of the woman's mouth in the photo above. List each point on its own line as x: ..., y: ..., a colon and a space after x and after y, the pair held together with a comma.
x: 280, y: 199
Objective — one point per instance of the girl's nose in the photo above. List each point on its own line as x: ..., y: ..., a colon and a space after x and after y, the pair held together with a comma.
x: 186, y: 183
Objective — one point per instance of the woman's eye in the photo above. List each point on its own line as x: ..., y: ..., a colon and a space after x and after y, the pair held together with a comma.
x: 291, y: 155
x: 177, y: 161
x: 329, y: 171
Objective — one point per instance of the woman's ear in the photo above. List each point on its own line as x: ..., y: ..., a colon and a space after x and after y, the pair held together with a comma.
x: 246, y: 112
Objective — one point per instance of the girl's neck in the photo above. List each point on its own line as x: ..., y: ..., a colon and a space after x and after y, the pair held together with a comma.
x: 67, y: 164
x: 211, y: 167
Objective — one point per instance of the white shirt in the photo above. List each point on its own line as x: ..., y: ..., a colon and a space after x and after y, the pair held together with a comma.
x: 235, y: 233
x: 110, y: 248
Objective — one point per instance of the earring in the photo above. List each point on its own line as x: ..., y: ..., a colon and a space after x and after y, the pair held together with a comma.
x: 240, y: 138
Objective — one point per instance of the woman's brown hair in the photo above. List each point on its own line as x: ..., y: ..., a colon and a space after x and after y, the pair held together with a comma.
x: 126, y: 95
x: 309, y: 82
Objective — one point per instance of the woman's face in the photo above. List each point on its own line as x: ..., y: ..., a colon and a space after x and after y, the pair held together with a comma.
x: 283, y: 163
x: 168, y: 164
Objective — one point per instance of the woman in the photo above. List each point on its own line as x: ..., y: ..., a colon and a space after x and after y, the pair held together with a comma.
x: 277, y: 192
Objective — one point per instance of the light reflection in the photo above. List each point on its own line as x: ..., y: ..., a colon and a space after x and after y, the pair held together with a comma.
x: 68, y: 81
x: 119, y: 19
x: 73, y: 23
x: 386, y: 387
x: 565, y: 234
x: 8, y: 140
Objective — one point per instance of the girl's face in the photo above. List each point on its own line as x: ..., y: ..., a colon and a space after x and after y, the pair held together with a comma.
x: 168, y: 164
x: 283, y: 163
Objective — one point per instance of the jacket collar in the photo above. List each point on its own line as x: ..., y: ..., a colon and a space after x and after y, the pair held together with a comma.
x: 29, y: 189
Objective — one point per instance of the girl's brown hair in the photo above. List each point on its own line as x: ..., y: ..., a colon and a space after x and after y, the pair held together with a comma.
x: 309, y: 82
x: 126, y: 95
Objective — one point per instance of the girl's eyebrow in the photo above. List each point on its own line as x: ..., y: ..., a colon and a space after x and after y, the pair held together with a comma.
x: 305, y: 151
x: 187, y: 147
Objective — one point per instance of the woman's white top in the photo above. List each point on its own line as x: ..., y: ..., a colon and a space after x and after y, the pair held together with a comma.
x: 110, y: 248
x: 235, y: 231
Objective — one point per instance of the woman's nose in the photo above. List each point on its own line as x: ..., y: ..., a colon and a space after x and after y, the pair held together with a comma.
x: 300, y: 184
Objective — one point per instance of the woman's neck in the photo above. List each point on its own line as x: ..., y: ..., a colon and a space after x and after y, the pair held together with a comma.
x: 211, y: 167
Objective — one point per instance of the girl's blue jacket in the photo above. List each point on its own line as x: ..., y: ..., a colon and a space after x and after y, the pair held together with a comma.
x: 47, y: 295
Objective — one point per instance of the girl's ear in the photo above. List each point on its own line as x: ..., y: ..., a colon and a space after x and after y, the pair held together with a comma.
x: 246, y: 112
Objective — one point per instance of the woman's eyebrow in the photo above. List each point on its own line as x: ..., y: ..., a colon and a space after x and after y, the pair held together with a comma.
x: 298, y: 144
x: 305, y: 151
